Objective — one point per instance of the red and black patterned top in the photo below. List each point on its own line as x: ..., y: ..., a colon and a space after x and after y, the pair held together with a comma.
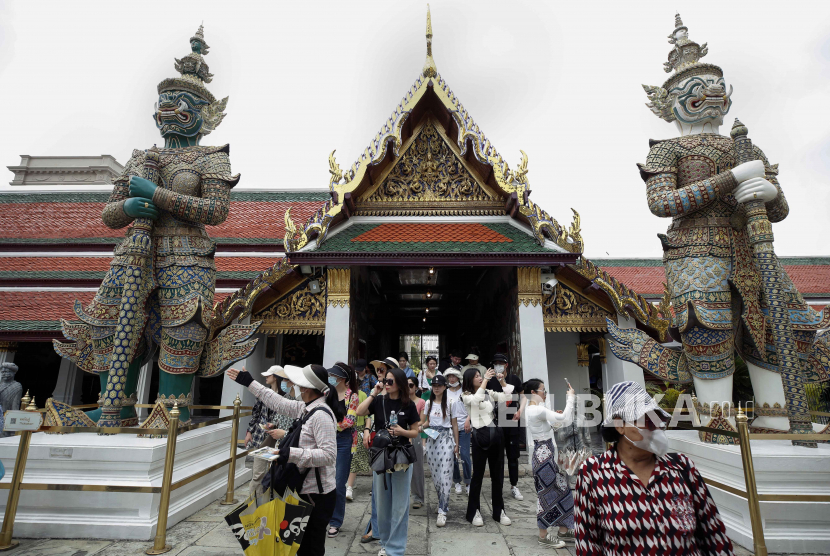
x: 616, y: 515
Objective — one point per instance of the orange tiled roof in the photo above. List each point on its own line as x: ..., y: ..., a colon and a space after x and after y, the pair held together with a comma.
x: 433, y: 233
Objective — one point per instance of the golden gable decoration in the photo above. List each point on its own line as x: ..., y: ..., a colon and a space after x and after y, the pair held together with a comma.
x: 430, y: 179
x: 59, y: 414
x: 300, y: 312
x: 567, y: 311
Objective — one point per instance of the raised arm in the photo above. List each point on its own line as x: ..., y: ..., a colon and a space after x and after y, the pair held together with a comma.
x: 351, y: 413
x: 556, y: 419
x: 271, y: 399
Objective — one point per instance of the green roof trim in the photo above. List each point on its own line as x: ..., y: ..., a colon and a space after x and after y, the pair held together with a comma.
x: 639, y: 263
x: 99, y: 275
x: 114, y: 240
x: 28, y: 325
x: 103, y: 196
x: 521, y: 243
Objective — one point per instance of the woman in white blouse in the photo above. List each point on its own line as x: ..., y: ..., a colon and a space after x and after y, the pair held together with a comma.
x: 556, y: 504
x: 487, y: 441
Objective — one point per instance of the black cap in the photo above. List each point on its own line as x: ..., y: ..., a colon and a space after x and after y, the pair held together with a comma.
x: 338, y: 371
x: 360, y: 364
x: 439, y: 380
x: 499, y: 358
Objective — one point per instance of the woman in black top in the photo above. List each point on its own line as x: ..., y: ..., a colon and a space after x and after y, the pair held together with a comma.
x: 396, y: 413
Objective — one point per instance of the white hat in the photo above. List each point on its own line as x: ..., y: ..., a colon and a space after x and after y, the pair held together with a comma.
x: 472, y: 356
x: 453, y: 372
x: 630, y: 401
x: 391, y: 361
x: 305, y: 377
x: 275, y: 370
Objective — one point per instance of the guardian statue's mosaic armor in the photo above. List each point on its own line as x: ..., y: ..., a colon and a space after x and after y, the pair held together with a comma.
x: 159, y: 289
x: 719, y: 302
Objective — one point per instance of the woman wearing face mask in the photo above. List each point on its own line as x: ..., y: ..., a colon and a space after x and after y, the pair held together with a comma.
x: 390, y: 491
x: 418, y: 480
x: 317, y: 450
x: 462, y: 457
x: 442, y: 417
x: 487, y: 442
x: 262, y: 420
x: 668, y: 507
x: 426, y: 376
x: 555, y: 507
x: 343, y: 379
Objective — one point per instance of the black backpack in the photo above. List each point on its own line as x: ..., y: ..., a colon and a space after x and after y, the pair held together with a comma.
x: 285, y: 475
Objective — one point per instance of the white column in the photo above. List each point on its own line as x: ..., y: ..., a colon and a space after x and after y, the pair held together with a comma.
x: 68, y: 386
x: 230, y: 389
x: 562, y: 364
x: 617, y: 370
x: 7, y: 351
x: 532, y: 334
x: 336, y: 341
x: 145, y: 375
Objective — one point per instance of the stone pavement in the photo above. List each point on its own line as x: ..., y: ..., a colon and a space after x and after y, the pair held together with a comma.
x: 206, y: 533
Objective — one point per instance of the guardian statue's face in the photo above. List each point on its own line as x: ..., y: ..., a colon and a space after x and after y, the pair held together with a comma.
x: 179, y: 113
x: 701, y: 99
x: 6, y: 375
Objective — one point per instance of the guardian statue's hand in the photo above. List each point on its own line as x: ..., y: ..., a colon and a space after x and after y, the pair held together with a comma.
x: 139, y: 187
x: 756, y: 189
x: 748, y: 170
x: 140, y: 207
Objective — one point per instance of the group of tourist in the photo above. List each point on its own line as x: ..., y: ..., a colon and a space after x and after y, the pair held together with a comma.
x: 376, y: 418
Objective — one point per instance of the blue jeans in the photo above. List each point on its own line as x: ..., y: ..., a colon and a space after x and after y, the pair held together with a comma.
x: 341, y: 476
x: 373, y: 521
x: 466, y: 460
x: 393, y: 509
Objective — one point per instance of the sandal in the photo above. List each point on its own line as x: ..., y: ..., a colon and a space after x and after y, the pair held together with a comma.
x: 333, y: 532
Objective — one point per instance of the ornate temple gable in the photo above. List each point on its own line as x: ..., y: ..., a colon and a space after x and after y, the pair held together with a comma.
x: 431, y: 92
x: 430, y: 178
x: 566, y: 310
x: 300, y: 312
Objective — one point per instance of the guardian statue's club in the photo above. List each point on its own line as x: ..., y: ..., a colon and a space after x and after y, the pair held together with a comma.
x: 726, y: 292
x: 159, y: 289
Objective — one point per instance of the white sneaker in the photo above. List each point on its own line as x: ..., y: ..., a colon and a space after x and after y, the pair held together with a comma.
x: 458, y: 488
x: 552, y: 541
x: 504, y: 519
x: 382, y: 552
x: 477, y: 521
x: 349, y: 493
x: 442, y: 520
x: 515, y: 491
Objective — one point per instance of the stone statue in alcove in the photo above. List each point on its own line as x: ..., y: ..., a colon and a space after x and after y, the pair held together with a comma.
x: 11, y: 391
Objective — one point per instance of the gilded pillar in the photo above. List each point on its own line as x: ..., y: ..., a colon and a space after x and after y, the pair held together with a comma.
x: 531, y: 324
x: 338, y: 305
x: 7, y: 351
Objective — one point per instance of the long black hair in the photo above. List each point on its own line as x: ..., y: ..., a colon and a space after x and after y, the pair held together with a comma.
x: 403, y: 386
x: 467, y: 384
x: 443, y: 401
x: 351, y: 382
x: 331, y: 398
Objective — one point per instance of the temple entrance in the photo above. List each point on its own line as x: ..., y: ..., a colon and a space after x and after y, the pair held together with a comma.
x: 461, y: 308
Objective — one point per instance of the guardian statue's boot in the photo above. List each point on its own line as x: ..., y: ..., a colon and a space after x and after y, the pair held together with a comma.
x: 719, y: 298
x: 159, y: 290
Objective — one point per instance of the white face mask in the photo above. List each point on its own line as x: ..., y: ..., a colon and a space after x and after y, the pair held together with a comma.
x: 655, y: 442
x: 297, y: 393
x: 499, y: 368
x: 452, y: 384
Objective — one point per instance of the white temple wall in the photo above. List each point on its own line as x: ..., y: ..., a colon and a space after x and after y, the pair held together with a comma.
x: 533, y: 345
x: 561, y: 361
x: 68, y: 386
x: 336, y: 346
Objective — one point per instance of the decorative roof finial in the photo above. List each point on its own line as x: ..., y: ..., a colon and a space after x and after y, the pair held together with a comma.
x: 429, y: 66
x: 686, y: 52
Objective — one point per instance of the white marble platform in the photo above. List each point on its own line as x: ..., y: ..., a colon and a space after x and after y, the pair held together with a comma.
x: 780, y: 468
x: 114, y: 460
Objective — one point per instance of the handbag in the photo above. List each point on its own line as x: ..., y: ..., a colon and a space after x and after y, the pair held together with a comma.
x: 390, y: 454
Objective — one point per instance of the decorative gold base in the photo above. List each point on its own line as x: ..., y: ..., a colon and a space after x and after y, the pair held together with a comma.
x: 167, y: 548
x: 227, y: 503
x: 12, y: 544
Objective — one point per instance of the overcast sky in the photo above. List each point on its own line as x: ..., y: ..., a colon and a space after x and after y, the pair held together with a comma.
x: 560, y: 80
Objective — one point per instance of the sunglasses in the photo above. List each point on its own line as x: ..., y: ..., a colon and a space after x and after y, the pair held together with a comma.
x: 389, y: 381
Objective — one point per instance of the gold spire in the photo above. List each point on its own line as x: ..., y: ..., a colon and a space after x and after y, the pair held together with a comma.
x: 429, y: 66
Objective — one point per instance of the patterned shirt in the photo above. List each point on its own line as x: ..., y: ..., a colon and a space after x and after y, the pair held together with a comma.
x: 260, y: 415
x: 616, y: 515
x: 368, y: 383
x: 318, y: 440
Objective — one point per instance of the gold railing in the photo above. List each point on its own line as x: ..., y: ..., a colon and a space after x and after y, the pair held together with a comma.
x: 751, y: 493
x: 160, y: 545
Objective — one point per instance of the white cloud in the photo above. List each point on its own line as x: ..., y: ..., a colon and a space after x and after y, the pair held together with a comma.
x: 560, y: 80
